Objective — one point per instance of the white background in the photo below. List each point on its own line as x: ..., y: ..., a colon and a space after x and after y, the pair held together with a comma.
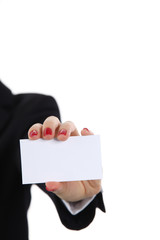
x: 101, y: 61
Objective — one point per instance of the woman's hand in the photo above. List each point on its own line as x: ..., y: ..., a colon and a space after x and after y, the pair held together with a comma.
x: 69, y: 191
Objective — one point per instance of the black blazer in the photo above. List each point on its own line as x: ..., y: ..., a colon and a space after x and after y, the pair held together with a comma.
x: 17, y: 114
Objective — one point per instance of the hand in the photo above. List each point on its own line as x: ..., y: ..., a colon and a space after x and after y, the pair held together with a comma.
x: 69, y: 191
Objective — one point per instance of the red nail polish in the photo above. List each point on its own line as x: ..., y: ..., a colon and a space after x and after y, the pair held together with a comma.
x: 50, y: 190
x: 33, y: 133
x: 62, y: 132
x: 86, y: 129
x: 47, y: 131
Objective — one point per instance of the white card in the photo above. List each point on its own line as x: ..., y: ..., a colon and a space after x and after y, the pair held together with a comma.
x: 78, y: 158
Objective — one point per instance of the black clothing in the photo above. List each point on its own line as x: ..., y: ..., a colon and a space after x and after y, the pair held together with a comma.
x: 17, y: 114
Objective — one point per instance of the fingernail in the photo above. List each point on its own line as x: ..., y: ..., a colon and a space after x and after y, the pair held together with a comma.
x: 50, y: 190
x: 47, y: 131
x: 86, y: 129
x: 33, y: 133
x: 62, y: 132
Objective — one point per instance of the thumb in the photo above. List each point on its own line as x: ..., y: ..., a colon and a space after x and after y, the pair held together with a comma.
x: 55, y: 187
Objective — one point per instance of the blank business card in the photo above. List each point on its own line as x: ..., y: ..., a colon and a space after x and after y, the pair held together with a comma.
x: 78, y: 158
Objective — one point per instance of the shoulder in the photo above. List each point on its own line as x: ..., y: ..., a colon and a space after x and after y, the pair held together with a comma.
x: 33, y: 100
x: 35, y: 103
x: 33, y: 97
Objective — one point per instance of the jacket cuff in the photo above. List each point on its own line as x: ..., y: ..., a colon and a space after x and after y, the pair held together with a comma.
x: 76, y: 207
x: 80, y: 220
x: 83, y: 218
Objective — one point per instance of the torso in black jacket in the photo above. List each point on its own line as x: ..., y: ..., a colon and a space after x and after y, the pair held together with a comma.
x: 17, y: 114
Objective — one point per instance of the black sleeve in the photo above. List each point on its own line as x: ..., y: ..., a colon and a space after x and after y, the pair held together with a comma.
x: 80, y: 220
x: 39, y: 107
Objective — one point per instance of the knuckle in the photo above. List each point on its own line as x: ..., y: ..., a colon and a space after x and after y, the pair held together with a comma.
x: 69, y: 124
x: 51, y: 119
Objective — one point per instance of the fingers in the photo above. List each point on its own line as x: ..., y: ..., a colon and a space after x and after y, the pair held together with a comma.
x: 50, y: 127
x: 86, y: 132
x: 66, y: 130
x: 46, y: 131
x: 35, y: 132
